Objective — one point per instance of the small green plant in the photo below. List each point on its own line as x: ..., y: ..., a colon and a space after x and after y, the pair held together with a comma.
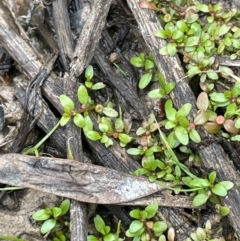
x: 148, y: 64
x: 204, y: 234
x: 143, y: 228
x: 54, y: 220
x: 104, y: 232
x: 177, y: 120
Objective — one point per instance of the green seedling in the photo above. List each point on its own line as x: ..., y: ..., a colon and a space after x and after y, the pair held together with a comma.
x: 177, y: 120
x: 53, y: 218
x: 143, y: 228
x: 164, y: 90
x: 104, y: 231
x: 148, y: 64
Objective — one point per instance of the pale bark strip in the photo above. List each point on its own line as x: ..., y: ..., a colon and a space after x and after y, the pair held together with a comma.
x: 72, y: 179
x: 89, y: 36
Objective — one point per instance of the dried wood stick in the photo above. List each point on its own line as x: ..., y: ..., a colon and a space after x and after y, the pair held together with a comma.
x: 80, y: 181
x: 63, y: 32
x: 89, y: 36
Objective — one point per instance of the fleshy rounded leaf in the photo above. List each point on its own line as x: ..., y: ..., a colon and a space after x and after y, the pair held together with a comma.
x: 48, y: 225
x: 99, y: 224
x: 200, y: 199
x: 56, y: 211
x: 66, y: 103
x: 41, y: 215
x: 137, y: 61
x: 89, y: 72
x: 64, y: 120
x: 93, y: 135
x: 135, y: 213
x: 135, y: 226
x: 82, y: 94
x: 98, y: 86
x: 110, y: 112
x: 219, y: 190
x: 202, y: 101
x: 65, y: 205
x: 79, y: 120
x: 194, y: 136
x: 145, y: 80
x: 226, y: 184
x: 151, y: 210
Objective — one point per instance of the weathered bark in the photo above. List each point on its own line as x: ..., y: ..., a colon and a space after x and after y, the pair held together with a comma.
x: 14, y: 41
x: 72, y: 179
x: 89, y: 36
x: 63, y: 32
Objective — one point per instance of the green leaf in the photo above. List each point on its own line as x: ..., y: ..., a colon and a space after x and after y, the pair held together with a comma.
x: 193, y: 71
x: 160, y: 34
x: 98, y: 86
x: 181, y: 25
x: 159, y: 226
x: 64, y: 119
x: 88, y: 84
x: 124, y: 138
x: 137, y: 62
x: 194, y: 136
x: 144, y: 80
x: 171, y: 49
x: 184, y: 110
x: 169, y: 87
x: 56, y: 212
x: 65, y: 205
x: 82, y: 94
x: 48, y: 225
x: 99, y: 224
x: 92, y: 238
x: 41, y: 215
x: 93, y: 135
x: 224, y: 211
x: 182, y: 135
x: 200, y: 199
x: 135, y: 213
x: 192, y: 41
x: 66, y: 103
x: 110, y: 112
x: 203, y: 8
x: 177, y: 34
x: 212, y: 75
x: 89, y: 72
x: 135, y: 226
x: 212, y: 177
x: 109, y: 237
x: 155, y: 94
x: 223, y: 30
x: 226, y: 184
x: 199, y: 182
x: 88, y: 124
x: 219, y: 190
x: 135, y: 151
x: 79, y: 120
x: 149, y: 64
x: 192, y: 18
x: 163, y: 51
x: 151, y: 210
x: 103, y: 127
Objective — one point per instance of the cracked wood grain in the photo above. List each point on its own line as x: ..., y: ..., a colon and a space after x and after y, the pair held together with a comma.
x: 89, y: 36
x: 79, y: 181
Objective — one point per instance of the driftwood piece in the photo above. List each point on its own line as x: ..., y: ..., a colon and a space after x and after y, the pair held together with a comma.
x: 20, y: 49
x: 172, y: 70
x: 89, y: 36
x: 63, y: 32
x: 72, y: 179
